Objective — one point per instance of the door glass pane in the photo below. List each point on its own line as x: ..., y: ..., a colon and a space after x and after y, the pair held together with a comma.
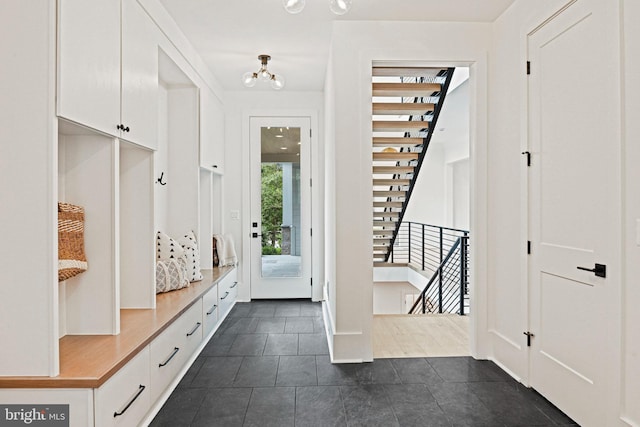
x: 280, y: 201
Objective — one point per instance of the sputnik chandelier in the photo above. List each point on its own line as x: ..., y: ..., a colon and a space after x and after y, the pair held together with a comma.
x: 339, y: 7
x: 250, y: 78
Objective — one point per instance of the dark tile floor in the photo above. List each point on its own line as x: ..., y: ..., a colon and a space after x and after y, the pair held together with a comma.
x: 268, y: 365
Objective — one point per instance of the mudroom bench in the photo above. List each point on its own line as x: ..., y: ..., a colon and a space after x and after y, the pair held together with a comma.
x: 124, y: 379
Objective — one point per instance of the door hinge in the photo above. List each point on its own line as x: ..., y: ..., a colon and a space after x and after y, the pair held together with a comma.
x: 529, y: 336
x: 311, y: 232
x: 528, y: 68
x: 311, y: 281
x: 528, y: 154
x: 528, y: 247
x: 310, y: 182
x: 310, y: 133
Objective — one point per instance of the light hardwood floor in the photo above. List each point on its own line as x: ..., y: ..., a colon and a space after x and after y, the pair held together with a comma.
x: 420, y: 335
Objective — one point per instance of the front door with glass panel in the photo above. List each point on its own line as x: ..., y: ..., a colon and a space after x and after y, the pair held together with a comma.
x: 280, y: 207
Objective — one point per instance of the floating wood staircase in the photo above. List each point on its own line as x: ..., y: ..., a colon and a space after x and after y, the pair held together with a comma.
x: 406, y: 104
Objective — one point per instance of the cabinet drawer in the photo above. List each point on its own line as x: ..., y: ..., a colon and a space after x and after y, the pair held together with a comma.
x: 191, y: 327
x: 228, y: 290
x: 124, y: 399
x: 210, y: 310
x: 167, y: 354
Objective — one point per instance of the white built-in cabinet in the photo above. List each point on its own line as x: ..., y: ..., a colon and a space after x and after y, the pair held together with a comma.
x: 107, y: 68
x: 108, y: 115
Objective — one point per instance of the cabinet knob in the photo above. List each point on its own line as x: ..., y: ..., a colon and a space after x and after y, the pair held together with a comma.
x: 122, y: 127
x: 214, y: 166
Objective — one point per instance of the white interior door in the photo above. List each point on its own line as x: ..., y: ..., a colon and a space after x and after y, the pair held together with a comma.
x: 280, y: 207
x: 574, y: 211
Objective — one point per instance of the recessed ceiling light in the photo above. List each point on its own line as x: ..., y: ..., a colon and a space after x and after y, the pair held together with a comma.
x: 299, y: 143
x: 279, y: 136
x: 283, y: 148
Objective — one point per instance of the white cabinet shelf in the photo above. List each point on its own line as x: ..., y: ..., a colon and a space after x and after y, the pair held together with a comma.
x: 87, y: 171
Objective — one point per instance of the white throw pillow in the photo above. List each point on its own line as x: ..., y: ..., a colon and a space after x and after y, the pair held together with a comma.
x: 171, y: 275
x: 167, y: 248
x: 190, y: 247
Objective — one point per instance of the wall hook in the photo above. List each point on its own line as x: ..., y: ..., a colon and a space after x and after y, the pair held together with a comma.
x: 159, y: 181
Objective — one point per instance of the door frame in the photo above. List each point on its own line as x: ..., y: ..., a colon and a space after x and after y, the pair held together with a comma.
x: 317, y: 194
x: 281, y: 287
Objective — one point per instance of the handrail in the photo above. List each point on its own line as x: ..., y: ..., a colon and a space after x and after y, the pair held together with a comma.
x: 421, y: 297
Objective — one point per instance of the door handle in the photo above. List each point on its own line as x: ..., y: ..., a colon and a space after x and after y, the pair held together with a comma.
x: 256, y: 235
x: 599, y: 270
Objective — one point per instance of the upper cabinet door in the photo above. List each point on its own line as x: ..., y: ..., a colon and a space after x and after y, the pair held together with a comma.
x: 211, y: 132
x: 89, y: 63
x: 139, y: 76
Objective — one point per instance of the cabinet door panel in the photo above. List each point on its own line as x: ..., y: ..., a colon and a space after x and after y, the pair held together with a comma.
x: 211, y: 132
x: 89, y: 63
x: 139, y: 76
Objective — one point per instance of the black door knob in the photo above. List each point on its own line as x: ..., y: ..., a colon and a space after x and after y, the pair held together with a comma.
x: 599, y: 270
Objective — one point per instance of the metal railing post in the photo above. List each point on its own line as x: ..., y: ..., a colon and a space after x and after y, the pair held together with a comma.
x: 440, y: 275
x: 409, y: 245
x: 463, y: 270
x: 423, y: 255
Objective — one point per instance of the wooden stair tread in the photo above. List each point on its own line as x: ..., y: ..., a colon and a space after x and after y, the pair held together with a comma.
x: 380, y: 141
x: 389, y: 193
x: 387, y: 204
x: 386, y: 214
x: 405, y: 89
x: 391, y: 181
x: 396, y: 125
x: 395, y: 156
x: 379, y: 232
x: 393, y: 169
x: 396, y: 108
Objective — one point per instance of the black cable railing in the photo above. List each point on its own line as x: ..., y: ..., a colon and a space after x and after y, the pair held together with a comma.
x: 442, y: 253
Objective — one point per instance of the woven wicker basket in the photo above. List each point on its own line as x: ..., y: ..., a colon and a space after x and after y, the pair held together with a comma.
x: 71, y: 258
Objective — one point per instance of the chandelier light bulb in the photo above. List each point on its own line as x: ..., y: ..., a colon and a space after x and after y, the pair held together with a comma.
x: 340, y: 7
x: 264, y: 75
x: 277, y: 82
x: 293, y: 6
x: 249, y: 79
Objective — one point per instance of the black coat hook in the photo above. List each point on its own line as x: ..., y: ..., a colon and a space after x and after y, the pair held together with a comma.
x: 159, y: 181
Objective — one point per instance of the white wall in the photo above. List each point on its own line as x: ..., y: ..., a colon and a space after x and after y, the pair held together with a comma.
x: 507, y: 105
x: 28, y: 195
x: 390, y: 297
x: 348, y: 100
x: 428, y: 199
x: 432, y: 198
x: 238, y: 107
x: 631, y: 154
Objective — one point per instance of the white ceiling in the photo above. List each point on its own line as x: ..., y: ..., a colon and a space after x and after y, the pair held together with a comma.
x: 231, y: 34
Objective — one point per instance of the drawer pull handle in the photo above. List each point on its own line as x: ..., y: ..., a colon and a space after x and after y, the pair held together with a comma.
x: 140, y: 390
x: 210, y: 312
x: 226, y: 294
x: 194, y: 329
x: 234, y: 285
x: 175, y: 351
